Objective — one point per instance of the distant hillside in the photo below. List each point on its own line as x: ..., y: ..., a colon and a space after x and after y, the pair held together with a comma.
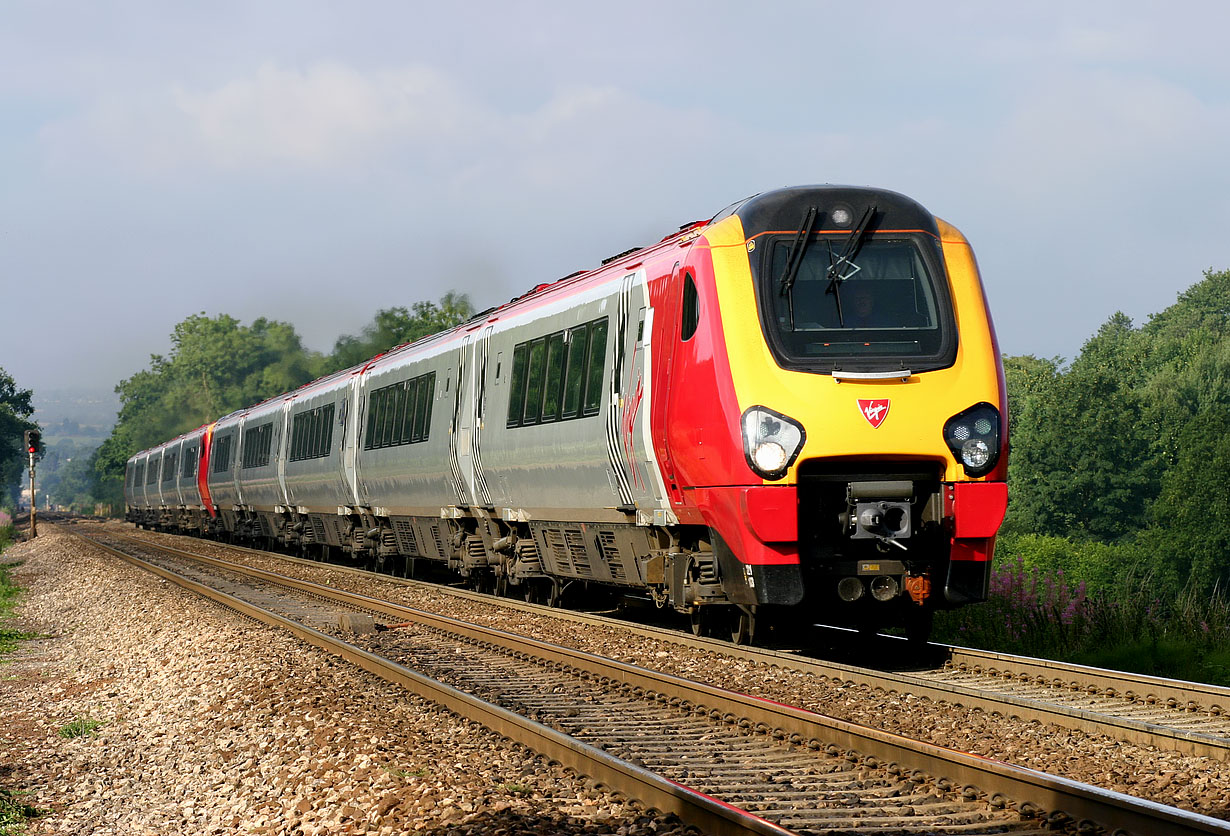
x: 87, y: 413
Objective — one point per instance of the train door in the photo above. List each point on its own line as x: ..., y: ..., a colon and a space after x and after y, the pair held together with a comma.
x: 634, y: 461
x: 347, y: 412
x: 679, y: 309
x: 460, y: 429
x: 482, y: 352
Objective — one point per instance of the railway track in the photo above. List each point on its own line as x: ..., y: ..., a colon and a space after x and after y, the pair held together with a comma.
x: 1174, y: 715
x: 728, y: 762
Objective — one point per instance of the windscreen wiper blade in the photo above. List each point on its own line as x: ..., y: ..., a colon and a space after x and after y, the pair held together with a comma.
x: 796, y: 252
x: 836, y: 273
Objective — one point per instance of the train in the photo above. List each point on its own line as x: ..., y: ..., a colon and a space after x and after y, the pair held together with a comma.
x: 791, y: 412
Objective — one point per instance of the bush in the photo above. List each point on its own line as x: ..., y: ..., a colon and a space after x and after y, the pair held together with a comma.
x: 1131, y: 624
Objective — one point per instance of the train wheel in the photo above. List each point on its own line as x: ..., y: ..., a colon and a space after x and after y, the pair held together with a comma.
x: 743, y: 627
x: 700, y: 621
x: 533, y: 591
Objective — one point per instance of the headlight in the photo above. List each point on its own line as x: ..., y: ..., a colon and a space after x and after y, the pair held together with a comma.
x: 771, y: 441
x: 973, y: 437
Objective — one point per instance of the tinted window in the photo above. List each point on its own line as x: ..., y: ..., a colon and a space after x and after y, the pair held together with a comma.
x: 691, y: 309
x: 400, y: 413
x: 575, y: 371
x: 596, y: 359
x: 558, y: 376
x: 256, y: 445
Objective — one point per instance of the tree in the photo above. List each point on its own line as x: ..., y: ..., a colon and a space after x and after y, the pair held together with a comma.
x: 396, y: 326
x: 1082, y: 458
x: 216, y: 365
x: 16, y: 407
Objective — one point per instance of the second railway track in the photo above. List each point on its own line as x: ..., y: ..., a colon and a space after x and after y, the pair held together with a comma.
x: 778, y: 766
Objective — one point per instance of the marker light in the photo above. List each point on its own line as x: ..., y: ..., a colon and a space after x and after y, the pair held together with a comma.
x: 771, y: 441
x: 973, y: 437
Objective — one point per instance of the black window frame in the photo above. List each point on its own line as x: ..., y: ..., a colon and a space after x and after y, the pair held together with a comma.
x: 168, y: 473
x: 545, y: 394
x: 311, y: 435
x: 400, y: 413
x: 220, y: 456
x: 187, y: 467
x: 257, y: 446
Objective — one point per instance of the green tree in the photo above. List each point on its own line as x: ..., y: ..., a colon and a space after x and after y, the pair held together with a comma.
x: 216, y: 365
x: 1081, y: 458
x: 396, y: 326
x: 15, y: 410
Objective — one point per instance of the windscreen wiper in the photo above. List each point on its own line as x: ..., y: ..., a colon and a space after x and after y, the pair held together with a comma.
x: 836, y: 274
x: 796, y: 258
x: 796, y: 252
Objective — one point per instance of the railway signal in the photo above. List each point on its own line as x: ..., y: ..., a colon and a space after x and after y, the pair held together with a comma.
x: 34, y: 443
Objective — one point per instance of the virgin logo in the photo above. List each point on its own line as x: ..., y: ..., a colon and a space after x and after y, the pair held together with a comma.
x: 875, y: 411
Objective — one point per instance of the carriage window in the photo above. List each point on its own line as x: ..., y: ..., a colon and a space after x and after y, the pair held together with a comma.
x: 597, y: 360
x: 168, y: 467
x: 152, y: 476
x: 311, y: 433
x: 533, y: 380
x: 190, y: 457
x: 555, y: 377
x: 257, y: 442
x: 574, y: 378
x: 399, y: 413
x: 559, y: 376
x: 221, y: 455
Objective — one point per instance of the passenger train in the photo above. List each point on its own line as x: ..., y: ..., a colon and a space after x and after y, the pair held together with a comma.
x: 795, y: 409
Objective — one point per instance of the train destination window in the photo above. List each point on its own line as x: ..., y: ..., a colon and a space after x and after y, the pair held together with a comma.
x: 221, y: 455
x: 559, y: 376
x: 257, y: 443
x: 399, y: 413
x: 311, y: 433
x: 884, y: 305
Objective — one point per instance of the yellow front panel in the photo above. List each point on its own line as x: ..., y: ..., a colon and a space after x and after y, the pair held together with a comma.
x: 828, y: 408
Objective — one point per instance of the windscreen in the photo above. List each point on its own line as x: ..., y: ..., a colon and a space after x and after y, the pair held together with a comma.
x: 882, y: 303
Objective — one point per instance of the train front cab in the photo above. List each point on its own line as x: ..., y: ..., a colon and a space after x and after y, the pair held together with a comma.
x: 862, y: 481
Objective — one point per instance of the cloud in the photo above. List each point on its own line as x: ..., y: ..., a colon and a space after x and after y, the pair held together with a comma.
x: 1089, y: 130
x: 324, y: 117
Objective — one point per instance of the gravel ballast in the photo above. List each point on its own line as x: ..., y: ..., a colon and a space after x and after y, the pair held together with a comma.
x: 1167, y: 777
x: 209, y: 723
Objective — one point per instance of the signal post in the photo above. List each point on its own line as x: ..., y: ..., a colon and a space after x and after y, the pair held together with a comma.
x: 34, y: 439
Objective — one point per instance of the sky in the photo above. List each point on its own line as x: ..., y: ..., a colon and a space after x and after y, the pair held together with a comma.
x: 314, y: 162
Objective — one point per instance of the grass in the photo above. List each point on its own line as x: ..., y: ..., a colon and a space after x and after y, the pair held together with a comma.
x: 14, y: 814
x: 1129, y: 626
x: 9, y: 637
x: 80, y: 727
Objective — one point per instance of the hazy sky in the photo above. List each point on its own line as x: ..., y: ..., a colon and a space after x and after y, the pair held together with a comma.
x: 314, y: 161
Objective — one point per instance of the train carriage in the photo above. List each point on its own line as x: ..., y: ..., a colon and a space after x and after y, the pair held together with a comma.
x: 796, y: 405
